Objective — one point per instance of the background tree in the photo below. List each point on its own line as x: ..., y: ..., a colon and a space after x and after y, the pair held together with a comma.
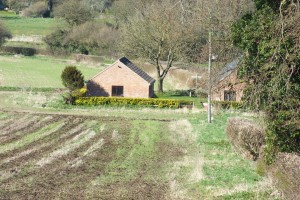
x: 73, y: 12
x: 182, y: 26
x: 38, y: 9
x: 99, y: 5
x: 155, y: 33
x: 4, y: 34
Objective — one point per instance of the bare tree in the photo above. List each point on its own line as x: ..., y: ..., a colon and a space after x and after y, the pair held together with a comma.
x: 156, y: 33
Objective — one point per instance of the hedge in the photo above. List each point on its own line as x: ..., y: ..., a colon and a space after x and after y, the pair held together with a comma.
x: 26, y: 51
x: 160, y: 103
x: 228, y: 104
x: 246, y: 136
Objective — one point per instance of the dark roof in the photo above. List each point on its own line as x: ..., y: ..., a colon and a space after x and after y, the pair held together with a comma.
x: 137, y: 70
x: 228, y: 69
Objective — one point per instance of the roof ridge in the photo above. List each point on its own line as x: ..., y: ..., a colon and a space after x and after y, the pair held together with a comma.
x: 137, y: 70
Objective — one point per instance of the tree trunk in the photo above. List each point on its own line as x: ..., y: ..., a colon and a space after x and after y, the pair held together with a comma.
x: 50, y: 5
x: 160, y: 81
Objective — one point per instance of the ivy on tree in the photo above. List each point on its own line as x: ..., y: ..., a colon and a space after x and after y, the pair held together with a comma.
x: 269, y: 38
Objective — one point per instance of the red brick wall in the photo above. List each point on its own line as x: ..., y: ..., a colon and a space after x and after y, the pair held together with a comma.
x: 230, y: 82
x: 118, y: 75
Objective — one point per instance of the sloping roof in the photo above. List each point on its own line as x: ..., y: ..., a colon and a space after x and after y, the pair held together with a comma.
x: 132, y: 67
x: 137, y: 70
x: 228, y: 69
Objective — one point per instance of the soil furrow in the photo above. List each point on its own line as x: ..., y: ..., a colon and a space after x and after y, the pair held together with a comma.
x: 21, y: 125
x: 45, y: 145
x: 28, y: 127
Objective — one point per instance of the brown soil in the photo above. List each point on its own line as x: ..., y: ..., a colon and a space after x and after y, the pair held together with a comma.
x: 60, y: 180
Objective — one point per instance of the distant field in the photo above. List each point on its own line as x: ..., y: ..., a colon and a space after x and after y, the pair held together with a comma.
x: 108, y: 154
x: 37, y: 71
x: 28, y: 26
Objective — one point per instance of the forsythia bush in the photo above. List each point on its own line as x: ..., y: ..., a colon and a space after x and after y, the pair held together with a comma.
x: 160, y: 103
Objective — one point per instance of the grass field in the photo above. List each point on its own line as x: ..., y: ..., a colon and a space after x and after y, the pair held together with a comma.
x: 121, y: 154
x: 18, y: 71
x: 37, y: 71
x: 28, y: 26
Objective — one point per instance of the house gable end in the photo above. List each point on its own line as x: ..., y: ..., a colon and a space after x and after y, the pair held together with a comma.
x: 127, y: 63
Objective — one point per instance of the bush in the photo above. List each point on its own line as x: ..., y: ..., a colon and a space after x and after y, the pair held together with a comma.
x: 86, y: 38
x: 26, y: 51
x: 72, y: 78
x: 38, y: 9
x: 227, y: 104
x: 285, y: 174
x: 246, y: 136
x: 120, y: 101
x: 4, y: 34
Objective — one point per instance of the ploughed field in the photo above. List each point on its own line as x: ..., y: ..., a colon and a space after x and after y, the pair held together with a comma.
x: 48, y: 156
x: 121, y: 154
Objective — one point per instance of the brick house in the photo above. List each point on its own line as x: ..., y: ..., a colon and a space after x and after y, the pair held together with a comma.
x: 228, y: 87
x: 122, y: 79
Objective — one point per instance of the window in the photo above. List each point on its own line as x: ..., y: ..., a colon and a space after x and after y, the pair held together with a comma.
x: 117, y: 91
x: 229, y: 95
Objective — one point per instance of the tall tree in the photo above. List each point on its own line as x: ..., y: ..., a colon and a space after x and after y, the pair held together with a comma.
x: 270, y: 38
x: 156, y: 33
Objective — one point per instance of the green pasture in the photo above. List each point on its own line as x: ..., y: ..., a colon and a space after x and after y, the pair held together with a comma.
x: 37, y: 71
x: 28, y: 26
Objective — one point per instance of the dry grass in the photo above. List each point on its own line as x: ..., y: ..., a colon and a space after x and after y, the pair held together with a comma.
x: 75, y: 143
x: 263, y: 185
x: 246, y: 136
x: 182, y: 132
x: 285, y: 174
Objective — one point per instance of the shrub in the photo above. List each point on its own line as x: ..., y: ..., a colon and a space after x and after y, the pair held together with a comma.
x: 26, y: 51
x: 86, y: 38
x: 79, y: 93
x: 72, y: 78
x: 56, y: 40
x: 285, y: 174
x: 38, y: 9
x: 4, y: 34
x: 227, y: 104
x: 246, y: 136
x: 119, y: 101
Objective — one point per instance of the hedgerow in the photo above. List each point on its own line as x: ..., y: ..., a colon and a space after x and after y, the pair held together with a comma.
x: 120, y: 101
x: 26, y: 51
